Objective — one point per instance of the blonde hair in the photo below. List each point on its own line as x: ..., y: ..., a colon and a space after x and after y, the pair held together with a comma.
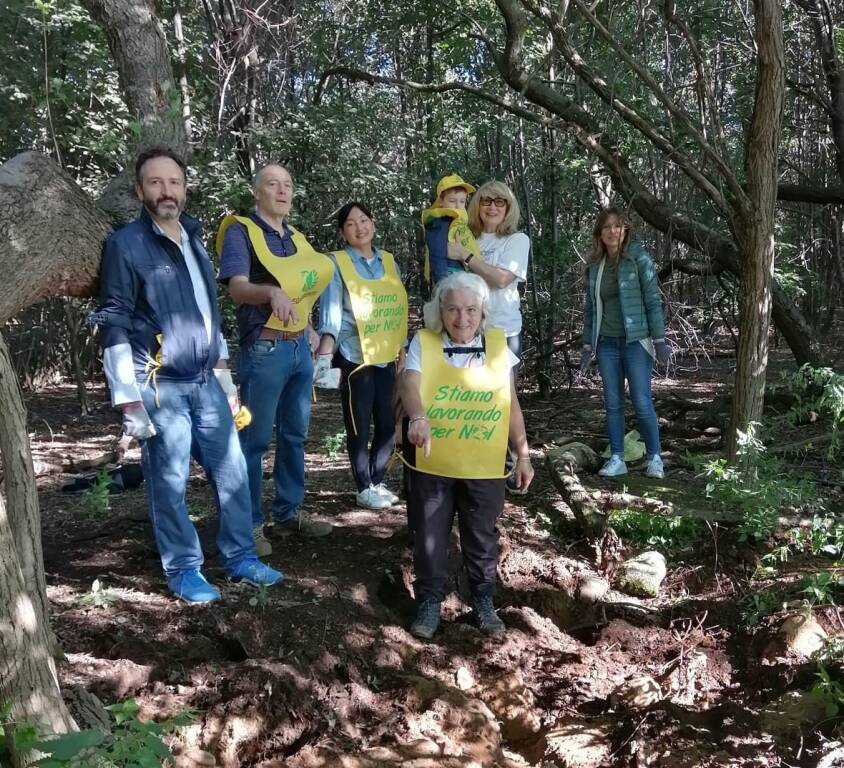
x: 599, y: 250
x: 509, y: 224
x: 457, y: 281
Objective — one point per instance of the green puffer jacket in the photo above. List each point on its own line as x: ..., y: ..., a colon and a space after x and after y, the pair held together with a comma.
x: 638, y: 293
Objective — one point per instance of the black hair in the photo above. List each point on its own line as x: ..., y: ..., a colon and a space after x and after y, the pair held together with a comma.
x: 344, y: 212
x: 151, y: 154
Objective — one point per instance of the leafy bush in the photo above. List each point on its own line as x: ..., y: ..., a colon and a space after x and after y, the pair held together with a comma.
x: 758, y: 487
x: 644, y: 529
x: 131, y: 744
x: 819, y: 391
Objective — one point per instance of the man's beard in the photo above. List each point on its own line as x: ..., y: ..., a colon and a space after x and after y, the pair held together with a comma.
x: 164, y: 209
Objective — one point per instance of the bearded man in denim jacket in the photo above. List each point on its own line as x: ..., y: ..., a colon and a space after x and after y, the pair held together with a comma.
x: 167, y: 367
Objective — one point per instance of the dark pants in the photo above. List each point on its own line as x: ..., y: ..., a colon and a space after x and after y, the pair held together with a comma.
x: 435, y: 502
x: 368, y: 397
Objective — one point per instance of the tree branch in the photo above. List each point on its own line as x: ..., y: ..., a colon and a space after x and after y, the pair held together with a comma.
x: 801, y: 193
x: 709, y: 151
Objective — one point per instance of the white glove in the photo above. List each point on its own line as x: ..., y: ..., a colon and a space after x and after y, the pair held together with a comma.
x: 326, y: 377
x: 322, y: 364
x: 137, y: 424
x: 224, y: 377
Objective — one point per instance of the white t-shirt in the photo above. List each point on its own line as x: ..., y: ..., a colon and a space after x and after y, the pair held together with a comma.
x: 509, y: 252
x: 413, y: 361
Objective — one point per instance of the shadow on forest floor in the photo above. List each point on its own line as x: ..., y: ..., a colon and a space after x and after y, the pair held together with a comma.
x: 321, y: 671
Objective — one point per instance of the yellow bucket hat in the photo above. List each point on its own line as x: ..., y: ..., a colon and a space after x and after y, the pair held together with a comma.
x: 453, y: 181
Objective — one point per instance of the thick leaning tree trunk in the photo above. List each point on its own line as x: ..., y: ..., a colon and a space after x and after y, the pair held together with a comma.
x: 755, y: 227
x: 51, y: 235
x: 27, y: 668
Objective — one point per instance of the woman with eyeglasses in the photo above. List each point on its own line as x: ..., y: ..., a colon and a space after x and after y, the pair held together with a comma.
x: 494, y: 218
x: 623, y: 328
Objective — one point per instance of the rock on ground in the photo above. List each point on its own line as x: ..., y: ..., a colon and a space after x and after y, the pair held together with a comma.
x: 642, y: 575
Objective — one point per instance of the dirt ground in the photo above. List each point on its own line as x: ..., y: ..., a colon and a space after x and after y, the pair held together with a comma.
x: 321, y: 671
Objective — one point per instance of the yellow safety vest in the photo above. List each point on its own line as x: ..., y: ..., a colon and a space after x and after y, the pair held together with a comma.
x: 379, y: 307
x: 468, y: 410
x: 303, y: 276
x: 458, y: 232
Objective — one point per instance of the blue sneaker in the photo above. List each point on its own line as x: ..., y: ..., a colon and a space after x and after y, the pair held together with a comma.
x: 192, y: 587
x: 252, y: 571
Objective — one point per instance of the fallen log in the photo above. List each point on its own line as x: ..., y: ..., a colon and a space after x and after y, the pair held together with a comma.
x: 587, y: 513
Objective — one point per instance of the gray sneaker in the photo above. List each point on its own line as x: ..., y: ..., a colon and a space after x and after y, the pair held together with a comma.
x: 262, y: 543
x: 302, y: 525
x: 614, y: 467
x: 655, y: 468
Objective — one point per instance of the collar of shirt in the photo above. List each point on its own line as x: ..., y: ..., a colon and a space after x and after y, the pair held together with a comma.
x: 370, y: 268
x: 357, y: 256
x: 183, y: 235
x: 267, y: 227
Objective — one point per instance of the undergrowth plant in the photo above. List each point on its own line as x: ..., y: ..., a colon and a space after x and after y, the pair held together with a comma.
x: 333, y: 444
x: 819, y: 391
x: 95, y: 500
x: 131, y: 743
x: 644, y: 529
x: 99, y: 596
x: 757, y: 605
x: 759, y: 487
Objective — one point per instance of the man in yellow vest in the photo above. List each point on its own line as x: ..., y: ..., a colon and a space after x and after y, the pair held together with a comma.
x: 274, y: 276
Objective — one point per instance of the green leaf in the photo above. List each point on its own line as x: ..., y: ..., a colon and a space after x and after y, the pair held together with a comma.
x: 26, y: 735
x: 69, y: 745
x: 124, y: 710
x: 155, y: 745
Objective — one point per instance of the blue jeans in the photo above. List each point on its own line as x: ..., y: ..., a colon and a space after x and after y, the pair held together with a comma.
x: 194, y: 418
x: 276, y: 379
x: 617, y: 361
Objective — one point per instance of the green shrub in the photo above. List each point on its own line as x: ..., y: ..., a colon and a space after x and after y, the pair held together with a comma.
x: 131, y: 743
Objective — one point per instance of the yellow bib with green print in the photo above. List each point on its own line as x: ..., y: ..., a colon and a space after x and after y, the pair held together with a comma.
x: 379, y: 307
x: 302, y: 276
x: 468, y: 410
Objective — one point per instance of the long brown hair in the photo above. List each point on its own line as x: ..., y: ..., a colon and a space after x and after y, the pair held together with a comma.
x: 599, y: 251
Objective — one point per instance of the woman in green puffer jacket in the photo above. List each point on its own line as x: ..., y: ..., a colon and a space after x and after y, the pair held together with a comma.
x: 623, y: 328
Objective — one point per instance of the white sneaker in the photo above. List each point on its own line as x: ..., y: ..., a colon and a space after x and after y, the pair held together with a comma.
x: 614, y: 467
x: 262, y: 543
x: 655, y: 468
x: 386, y: 493
x: 369, y: 498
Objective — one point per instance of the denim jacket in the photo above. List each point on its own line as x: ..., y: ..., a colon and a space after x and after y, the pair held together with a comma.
x: 146, y: 292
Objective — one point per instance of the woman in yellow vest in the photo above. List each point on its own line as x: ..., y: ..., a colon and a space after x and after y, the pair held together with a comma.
x: 460, y: 398
x: 363, y: 327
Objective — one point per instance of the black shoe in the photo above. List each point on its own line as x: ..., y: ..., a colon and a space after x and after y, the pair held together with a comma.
x: 427, y: 619
x: 485, y: 616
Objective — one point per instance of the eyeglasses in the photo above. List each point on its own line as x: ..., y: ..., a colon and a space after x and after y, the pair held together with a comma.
x: 498, y: 202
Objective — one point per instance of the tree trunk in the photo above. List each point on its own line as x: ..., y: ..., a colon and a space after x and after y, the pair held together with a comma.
x: 48, y: 224
x: 21, y: 492
x: 27, y: 669
x: 59, y: 242
x: 755, y: 227
x: 137, y: 43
